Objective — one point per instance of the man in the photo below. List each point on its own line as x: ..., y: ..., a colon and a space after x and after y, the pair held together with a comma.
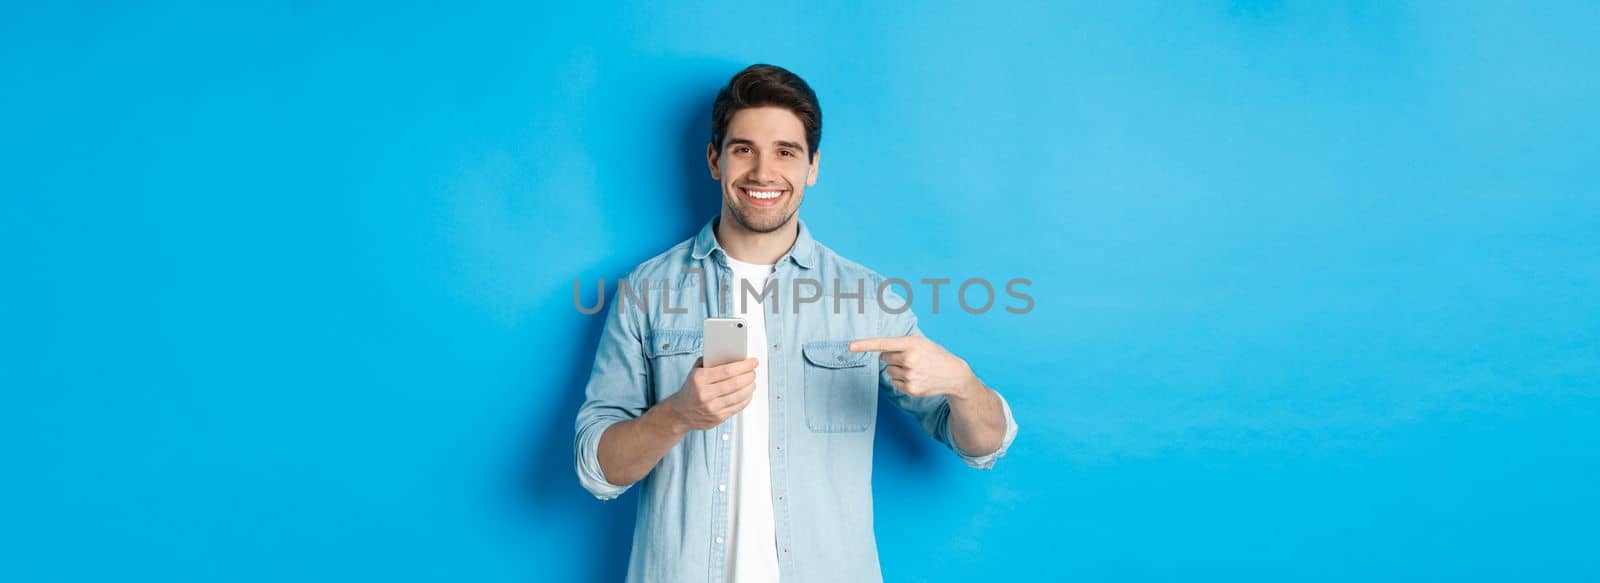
x: 761, y: 469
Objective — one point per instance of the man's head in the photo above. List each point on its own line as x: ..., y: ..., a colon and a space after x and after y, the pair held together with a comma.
x: 765, y: 127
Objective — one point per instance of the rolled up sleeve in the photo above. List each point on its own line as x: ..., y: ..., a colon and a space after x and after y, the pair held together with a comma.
x: 986, y: 462
x: 617, y: 391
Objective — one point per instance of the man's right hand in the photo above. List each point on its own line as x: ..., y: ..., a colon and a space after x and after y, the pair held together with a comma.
x: 711, y: 395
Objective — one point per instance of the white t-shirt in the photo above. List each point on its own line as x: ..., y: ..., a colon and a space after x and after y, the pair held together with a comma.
x: 753, y: 554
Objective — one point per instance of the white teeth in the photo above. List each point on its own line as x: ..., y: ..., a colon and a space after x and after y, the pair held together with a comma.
x: 764, y: 194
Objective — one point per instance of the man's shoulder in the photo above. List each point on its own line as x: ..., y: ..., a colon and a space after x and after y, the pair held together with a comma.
x: 676, y: 259
x: 671, y: 262
x: 833, y: 265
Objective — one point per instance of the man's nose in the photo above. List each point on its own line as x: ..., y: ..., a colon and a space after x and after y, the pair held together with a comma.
x: 763, y: 170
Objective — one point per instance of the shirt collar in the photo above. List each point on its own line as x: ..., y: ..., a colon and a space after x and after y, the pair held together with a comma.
x: 804, y: 252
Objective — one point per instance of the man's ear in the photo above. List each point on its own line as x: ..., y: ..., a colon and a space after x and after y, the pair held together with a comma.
x: 816, y: 162
x: 711, y: 161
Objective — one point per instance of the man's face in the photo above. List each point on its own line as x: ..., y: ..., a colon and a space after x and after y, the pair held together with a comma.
x: 764, y: 167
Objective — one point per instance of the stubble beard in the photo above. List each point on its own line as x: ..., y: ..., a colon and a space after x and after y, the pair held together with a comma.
x: 745, y: 221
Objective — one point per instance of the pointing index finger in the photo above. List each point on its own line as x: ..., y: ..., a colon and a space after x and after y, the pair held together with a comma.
x: 882, y: 344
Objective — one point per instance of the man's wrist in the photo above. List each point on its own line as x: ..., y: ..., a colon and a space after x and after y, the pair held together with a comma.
x: 668, y: 420
x: 969, y: 391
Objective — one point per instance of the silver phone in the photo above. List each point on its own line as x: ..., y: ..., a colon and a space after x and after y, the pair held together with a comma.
x: 724, y: 341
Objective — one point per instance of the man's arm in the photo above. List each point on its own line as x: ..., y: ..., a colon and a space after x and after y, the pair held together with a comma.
x: 630, y: 449
x: 940, y: 390
x: 619, y: 437
x: 977, y: 419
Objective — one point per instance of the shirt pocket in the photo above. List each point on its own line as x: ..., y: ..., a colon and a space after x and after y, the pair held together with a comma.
x: 671, y: 354
x: 841, y: 387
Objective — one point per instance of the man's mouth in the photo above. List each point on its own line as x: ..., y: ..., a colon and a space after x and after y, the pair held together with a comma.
x: 762, y: 198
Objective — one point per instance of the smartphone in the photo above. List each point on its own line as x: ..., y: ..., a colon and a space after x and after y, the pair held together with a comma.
x: 724, y: 341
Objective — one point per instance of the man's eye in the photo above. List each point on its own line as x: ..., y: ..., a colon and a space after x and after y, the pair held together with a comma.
x: 787, y: 153
x: 742, y: 150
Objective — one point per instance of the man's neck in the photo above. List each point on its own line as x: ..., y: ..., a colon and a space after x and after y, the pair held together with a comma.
x: 757, y: 248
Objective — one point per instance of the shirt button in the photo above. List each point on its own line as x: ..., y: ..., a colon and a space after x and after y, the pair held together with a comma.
x: 722, y: 487
x: 840, y: 358
x: 665, y: 346
x: 774, y: 347
x: 719, y: 541
x: 780, y: 396
x: 785, y: 549
x: 780, y: 448
x: 724, y: 437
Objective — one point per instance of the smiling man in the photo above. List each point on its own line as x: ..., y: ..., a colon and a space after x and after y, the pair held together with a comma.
x: 761, y: 469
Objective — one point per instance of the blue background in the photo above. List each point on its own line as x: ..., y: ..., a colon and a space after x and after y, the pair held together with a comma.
x: 288, y: 289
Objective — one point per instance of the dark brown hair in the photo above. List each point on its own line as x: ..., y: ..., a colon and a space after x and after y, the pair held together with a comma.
x: 762, y: 86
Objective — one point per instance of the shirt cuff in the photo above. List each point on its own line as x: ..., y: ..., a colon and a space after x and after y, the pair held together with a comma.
x: 986, y: 462
x: 587, y: 454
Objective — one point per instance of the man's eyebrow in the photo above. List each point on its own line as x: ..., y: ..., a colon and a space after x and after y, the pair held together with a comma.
x: 789, y: 144
x: 780, y: 143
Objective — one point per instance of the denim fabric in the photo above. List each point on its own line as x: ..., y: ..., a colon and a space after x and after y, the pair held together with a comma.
x: 823, y: 402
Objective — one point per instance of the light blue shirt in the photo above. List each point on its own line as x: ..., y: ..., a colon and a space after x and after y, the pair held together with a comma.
x: 823, y: 402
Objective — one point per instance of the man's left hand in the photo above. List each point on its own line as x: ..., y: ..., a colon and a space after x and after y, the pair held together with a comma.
x: 921, y: 368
